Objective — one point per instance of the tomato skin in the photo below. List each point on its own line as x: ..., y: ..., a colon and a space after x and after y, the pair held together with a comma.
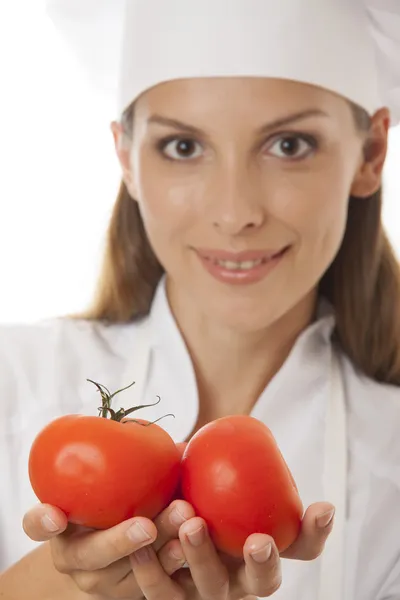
x: 236, y: 478
x: 101, y: 472
x: 181, y: 447
x: 178, y: 491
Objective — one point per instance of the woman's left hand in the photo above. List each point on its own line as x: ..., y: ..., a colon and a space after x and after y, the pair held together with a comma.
x: 216, y: 577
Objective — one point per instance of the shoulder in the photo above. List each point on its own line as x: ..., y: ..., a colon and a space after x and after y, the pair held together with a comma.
x: 373, y: 419
x: 373, y: 425
x: 372, y: 396
x: 372, y: 401
x: 67, y: 335
x: 41, y: 344
x: 47, y: 364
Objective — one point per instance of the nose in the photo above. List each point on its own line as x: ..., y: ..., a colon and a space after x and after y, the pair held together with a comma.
x: 237, y: 201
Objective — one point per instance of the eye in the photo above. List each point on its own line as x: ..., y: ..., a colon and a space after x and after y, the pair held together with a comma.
x: 181, y: 149
x: 293, y: 147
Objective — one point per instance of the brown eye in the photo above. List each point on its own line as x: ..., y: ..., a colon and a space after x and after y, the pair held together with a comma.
x: 294, y: 147
x: 182, y: 149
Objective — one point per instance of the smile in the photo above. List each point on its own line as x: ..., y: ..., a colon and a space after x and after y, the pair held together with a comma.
x: 240, y: 268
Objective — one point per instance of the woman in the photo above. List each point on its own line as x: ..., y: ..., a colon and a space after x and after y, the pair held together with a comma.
x: 246, y: 271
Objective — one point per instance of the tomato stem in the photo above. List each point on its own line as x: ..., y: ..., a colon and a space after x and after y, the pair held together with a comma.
x: 150, y: 422
x: 105, y: 411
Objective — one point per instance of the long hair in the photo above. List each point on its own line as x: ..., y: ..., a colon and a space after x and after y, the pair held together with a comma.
x: 362, y: 284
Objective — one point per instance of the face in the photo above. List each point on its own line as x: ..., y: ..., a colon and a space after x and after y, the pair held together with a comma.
x: 243, y: 186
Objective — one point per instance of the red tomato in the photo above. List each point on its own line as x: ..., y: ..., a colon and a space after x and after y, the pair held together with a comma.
x: 100, y: 472
x: 178, y: 491
x: 181, y: 447
x: 235, y: 477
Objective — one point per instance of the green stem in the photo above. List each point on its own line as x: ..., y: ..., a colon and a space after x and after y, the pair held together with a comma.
x: 150, y: 422
x: 105, y: 411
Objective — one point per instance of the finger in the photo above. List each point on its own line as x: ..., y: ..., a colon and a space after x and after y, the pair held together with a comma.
x: 169, y: 521
x: 184, y: 579
x: 108, y: 581
x: 209, y: 574
x: 110, y: 576
x: 261, y: 573
x: 316, y: 526
x: 172, y: 557
x: 118, y: 580
x: 98, y: 549
x: 151, y: 578
x: 43, y: 522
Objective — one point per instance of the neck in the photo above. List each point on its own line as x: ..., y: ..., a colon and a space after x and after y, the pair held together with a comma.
x: 233, y: 367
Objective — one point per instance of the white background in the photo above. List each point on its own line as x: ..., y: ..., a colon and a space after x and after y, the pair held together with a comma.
x: 58, y: 173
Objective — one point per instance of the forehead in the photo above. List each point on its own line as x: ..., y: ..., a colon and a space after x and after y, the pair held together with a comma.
x: 203, y: 96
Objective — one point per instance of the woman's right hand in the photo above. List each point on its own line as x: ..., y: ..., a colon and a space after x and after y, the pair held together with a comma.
x: 98, y: 561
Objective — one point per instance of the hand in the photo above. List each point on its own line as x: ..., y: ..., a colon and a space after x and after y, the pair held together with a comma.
x: 214, y: 576
x: 98, y: 561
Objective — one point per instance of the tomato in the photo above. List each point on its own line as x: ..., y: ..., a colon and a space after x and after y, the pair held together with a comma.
x: 102, y: 471
x: 178, y: 491
x: 236, y: 478
x: 181, y: 447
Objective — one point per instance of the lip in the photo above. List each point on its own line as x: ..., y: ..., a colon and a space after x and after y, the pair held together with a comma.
x: 269, y: 260
x: 238, y: 256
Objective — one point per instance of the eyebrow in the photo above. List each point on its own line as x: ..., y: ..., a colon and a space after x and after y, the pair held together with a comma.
x: 278, y: 123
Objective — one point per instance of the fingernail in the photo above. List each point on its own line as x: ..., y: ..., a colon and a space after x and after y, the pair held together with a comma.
x: 325, y: 519
x: 263, y: 554
x: 196, y: 537
x: 142, y: 556
x: 177, y: 518
x: 137, y: 534
x: 177, y: 554
x: 49, y: 524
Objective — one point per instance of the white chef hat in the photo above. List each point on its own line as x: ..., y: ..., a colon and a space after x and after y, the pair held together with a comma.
x: 351, y: 47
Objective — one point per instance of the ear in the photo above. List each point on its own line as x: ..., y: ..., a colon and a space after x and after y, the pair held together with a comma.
x: 123, y: 150
x: 369, y: 176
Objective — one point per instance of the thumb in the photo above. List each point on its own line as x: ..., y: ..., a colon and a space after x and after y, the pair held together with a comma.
x: 44, y: 522
x: 316, y: 526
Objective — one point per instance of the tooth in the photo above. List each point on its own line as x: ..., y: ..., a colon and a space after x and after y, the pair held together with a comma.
x: 243, y: 265
x: 229, y: 264
x: 249, y: 264
x: 239, y: 266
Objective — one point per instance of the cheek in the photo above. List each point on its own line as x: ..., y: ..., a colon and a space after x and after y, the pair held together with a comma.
x: 313, y: 206
x: 170, y: 203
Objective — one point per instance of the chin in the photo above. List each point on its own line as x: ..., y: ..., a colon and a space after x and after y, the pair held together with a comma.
x: 246, y: 317
x: 252, y: 312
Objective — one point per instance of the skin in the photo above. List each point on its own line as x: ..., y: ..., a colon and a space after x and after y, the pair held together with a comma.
x: 240, y: 191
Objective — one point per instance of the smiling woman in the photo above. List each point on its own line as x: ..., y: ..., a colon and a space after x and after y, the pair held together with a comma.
x: 247, y: 272
x: 297, y: 165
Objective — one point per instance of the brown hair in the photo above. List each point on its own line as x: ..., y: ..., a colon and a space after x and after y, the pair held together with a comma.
x: 363, y: 282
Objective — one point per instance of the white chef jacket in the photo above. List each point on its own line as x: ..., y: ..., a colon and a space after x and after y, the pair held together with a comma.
x: 43, y: 372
